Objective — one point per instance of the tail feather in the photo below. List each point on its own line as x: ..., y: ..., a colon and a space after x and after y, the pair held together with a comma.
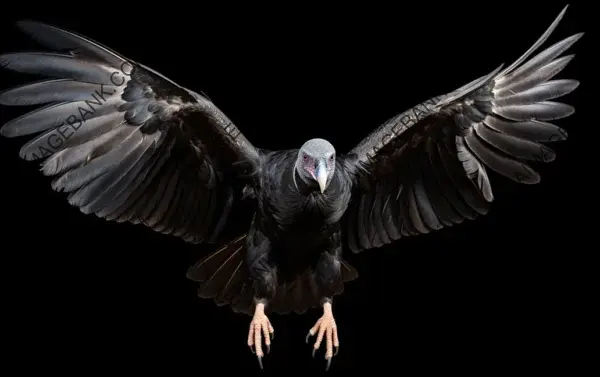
x: 303, y: 293
x: 218, y: 272
x: 223, y: 277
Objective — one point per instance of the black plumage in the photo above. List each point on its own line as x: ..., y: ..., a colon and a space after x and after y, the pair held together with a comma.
x: 129, y: 145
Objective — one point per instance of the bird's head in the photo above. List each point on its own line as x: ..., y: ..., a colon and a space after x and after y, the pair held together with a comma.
x: 316, y: 163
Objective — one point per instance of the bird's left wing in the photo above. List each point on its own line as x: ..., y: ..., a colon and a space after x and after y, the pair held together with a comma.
x: 425, y: 169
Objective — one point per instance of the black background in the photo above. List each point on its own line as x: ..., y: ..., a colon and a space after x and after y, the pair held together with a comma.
x: 498, y: 293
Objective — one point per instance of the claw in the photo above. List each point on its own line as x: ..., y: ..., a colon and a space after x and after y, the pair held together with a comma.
x: 308, y: 337
x: 314, y: 352
x: 328, y: 365
x: 337, y: 349
x: 252, y: 349
x: 260, y: 361
x: 268, y: 347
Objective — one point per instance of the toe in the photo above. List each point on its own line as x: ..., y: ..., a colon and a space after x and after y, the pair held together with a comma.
x: 320, y: 337
x: 258, y: 340
x: 251, y: 336
x: 329, y: 344
x: 266, y: 335
x: 336, y: 341
x: 271, y: 331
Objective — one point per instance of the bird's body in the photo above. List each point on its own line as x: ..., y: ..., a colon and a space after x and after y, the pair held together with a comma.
x: 300, y: 221
x: 130, y: 145
x: 293, y: 225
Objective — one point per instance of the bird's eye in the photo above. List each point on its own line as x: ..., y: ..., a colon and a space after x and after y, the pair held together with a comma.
x: 331, y: 158
x: 305, y: 157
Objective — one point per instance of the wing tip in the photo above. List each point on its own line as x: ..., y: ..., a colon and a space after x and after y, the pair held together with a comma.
x: 6, y: 131
x: 541, y: 40
x: 24, y: 22
x: 577, y: 36
x: 27, y: 25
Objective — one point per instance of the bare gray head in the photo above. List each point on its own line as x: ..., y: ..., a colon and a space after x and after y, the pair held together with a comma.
x: 316, y: 163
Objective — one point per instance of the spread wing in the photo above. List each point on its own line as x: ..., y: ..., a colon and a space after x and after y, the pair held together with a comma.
x: 426, y: 168
x: 125, y: 142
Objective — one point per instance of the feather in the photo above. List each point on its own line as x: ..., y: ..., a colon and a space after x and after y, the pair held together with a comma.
x: 518, y: 84
x: 102, y: 191
x: 61, y: 40
x: 543, y: 111
x: 507, y: 167
x: 466, y: 188
x: 536, y: 45
x: 447, y: 188
x: 515, y: 147
x: 424, y: 207
x: 109, y: 148
x: 68, y: 136
x: 59, y: 66
x: 474, y: 169
x: 128, y: 188
x: 530, y: 130
x: 541, y: 59
x: 61, y: 114
x: 59, y: 90
x: 439, y: 204
x: 542, y: 92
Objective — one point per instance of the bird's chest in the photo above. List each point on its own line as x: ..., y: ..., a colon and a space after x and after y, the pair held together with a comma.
x: 315, y: 211
x: 299, y: 217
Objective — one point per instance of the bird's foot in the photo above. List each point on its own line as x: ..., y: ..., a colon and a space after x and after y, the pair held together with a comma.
x: 325, y: 327
x: 260, y: 328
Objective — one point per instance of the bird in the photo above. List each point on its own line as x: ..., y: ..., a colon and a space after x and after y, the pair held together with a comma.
x: 127, y: 144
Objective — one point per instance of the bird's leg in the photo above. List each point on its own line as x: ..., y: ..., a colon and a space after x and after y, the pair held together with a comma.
x: 325, y: 328
x: 260, y: 328
x: 264, y: 275
x: 329, y: 280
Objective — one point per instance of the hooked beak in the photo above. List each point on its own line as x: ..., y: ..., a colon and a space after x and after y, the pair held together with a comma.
x: 321, y: 176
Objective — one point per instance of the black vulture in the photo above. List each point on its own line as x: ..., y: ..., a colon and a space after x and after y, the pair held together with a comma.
x: 129, y: 145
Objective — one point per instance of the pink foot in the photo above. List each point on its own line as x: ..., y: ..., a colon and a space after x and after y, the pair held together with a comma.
x: 260, y: 328
x: 325, y: 327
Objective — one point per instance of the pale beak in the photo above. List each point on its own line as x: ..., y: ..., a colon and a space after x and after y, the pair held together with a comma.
x: 322, y: 177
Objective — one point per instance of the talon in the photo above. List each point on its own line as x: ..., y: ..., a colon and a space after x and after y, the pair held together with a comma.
x: 308, y: 337
x: 268, y: 346
x: 337, y: 349
x: 314, y: 352
x: 260, y: 361
x: 252, y: 349
x: 328, y: 365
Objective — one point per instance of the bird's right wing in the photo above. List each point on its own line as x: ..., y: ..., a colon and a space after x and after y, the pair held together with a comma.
x: 125, y: 142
